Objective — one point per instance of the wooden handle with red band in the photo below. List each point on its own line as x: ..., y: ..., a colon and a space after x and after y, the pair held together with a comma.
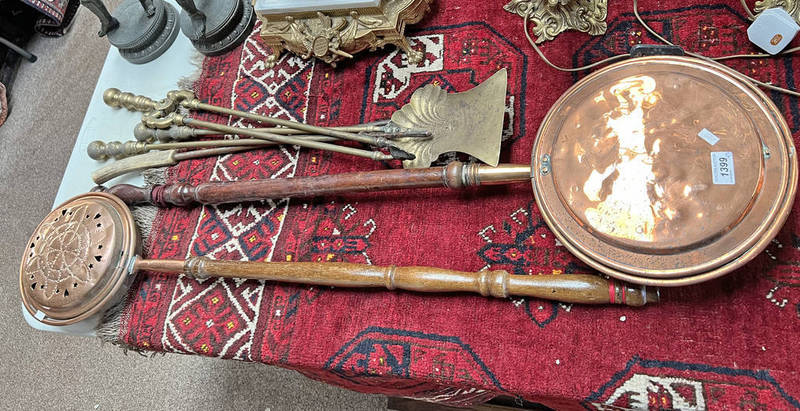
x: 570, y: 288
x: 455, y: 175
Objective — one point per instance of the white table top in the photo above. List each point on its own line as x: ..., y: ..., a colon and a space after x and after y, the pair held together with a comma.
x: 101, y: 122
x: 104, y: 123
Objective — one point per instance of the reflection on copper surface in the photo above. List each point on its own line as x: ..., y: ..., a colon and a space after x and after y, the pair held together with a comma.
x: 631, y: 167
x: 626, y: 211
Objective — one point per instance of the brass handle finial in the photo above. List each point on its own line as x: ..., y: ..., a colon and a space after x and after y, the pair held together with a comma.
x: 101, y: 151
x: 115, y: 98
x: 174, y: 133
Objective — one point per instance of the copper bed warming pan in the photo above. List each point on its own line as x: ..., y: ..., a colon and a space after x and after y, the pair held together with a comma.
x: 659, y: 170
x: 664, y: 170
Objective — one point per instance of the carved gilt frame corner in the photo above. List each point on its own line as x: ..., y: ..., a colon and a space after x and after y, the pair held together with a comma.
x: 334, y: 35
x: 791, y: 6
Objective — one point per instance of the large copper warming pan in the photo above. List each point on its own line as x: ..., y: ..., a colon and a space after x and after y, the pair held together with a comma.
x: 664, y: 170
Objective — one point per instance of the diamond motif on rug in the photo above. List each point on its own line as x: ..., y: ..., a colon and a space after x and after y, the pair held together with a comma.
x: 242, y: 231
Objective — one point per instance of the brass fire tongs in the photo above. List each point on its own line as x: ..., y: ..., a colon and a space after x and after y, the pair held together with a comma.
x: 179, y: 137
x: 382, y: 128
x: 164, y: 114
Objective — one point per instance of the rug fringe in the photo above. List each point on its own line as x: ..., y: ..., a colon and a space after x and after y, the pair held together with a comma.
x: 187, y: 82
x: 154, y: 176
x: 144, y: 215
x: 110, y: 325
x: 108, y: 329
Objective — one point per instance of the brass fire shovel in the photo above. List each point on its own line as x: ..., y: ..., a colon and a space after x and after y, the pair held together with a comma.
x: 470, y: 122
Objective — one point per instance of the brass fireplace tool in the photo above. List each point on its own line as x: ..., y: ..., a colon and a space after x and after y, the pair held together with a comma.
x: 177, y: 137
x: 165, y: 113
x: 181, y: 133
x: 661, y: 170
x: 432, y: 123
x: 83, y: 255
x: 99, y: 150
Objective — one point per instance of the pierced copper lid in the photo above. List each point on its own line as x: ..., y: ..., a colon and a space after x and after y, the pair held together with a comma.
x: 76, y: 260
x: 664, y: 170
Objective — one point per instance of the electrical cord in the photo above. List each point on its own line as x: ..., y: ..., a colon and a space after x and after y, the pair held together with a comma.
x: 700, y: 56
x: 547, y: 61
x: 647, y: 27
x: 747, y: 10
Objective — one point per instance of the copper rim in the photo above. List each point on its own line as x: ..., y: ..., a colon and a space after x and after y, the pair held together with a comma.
x: 76, y: 261
x: 640, y: 145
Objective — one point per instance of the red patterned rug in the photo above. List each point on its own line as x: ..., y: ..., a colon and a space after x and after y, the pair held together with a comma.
x: 57, y: 15
x: 729, y: 343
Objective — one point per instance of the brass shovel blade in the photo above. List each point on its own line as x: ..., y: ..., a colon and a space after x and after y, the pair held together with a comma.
x: 470, y: 122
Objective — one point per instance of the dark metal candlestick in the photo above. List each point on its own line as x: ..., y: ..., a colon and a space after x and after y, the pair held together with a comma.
x: 216, y: 26
x: 142, y: 30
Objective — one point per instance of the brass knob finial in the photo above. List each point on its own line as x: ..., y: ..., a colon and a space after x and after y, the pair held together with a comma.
x: 115, y: 98
x: 97, y: 150
x: 111, y: 96
x: 101, y: 151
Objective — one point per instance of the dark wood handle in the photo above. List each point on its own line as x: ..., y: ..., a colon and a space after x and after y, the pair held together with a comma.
x: 570, y: 288
x: 455, y: 175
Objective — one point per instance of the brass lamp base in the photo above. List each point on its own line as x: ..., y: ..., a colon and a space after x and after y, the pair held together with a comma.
x: 791, y: 6
x: 551, y: 17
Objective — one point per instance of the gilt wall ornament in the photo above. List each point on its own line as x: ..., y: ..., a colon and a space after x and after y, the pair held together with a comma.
x: 791, y: 6
x: 551, y: 17
x: 333, y: 35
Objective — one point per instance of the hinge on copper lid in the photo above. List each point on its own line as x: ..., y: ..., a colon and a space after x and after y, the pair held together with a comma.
x: 545, y: 168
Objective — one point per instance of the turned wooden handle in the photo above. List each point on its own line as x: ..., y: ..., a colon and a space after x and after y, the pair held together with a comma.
x: 455, y: 175
x: 570, y: 288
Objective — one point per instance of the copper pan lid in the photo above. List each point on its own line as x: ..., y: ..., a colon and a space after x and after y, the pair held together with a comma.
x: 664, y: 170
